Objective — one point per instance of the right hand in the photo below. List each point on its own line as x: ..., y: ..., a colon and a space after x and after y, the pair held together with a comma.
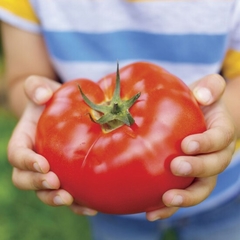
x: 31, y: 171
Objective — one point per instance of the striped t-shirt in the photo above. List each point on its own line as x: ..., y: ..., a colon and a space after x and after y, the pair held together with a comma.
x: 191, y: 39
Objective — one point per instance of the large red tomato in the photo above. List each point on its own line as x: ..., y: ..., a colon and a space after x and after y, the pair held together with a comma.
x: 111, y: 159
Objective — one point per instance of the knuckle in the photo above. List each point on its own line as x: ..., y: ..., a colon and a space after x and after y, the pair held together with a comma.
x: 224, y: 164
x: 229, y: 135
x: 209, y: 143
x: 15, y: 182
x: 36, y: 185
x: 167, y: 214
x: 43, y: 196
x: 199, y: 167
x: 47, y: 197
x: 30, y: 84
x: 11, y: 154
x: 226, y: 159
x: 204, y: 187
x: 212, y: 181
x: 25, y: 180
x: 189, y: 199
x: 15, y: 179
x: 31, y: 78
x: 218, y: 80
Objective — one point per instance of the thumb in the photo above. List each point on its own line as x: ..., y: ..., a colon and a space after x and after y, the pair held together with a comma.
x: 209, y: 89
x: 40, y: 89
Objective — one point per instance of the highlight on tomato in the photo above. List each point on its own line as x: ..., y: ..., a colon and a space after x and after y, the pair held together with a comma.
x: 111, y: 142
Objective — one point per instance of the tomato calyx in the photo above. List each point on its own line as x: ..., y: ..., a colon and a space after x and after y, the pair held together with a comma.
x: 114, y: 113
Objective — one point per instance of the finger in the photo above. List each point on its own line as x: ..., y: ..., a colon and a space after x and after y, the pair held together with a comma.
x: 208, y: 89
x: 20, y: 153
x: 27, y: 180
x: 221, y: 132
x: 198, y: 191
x: 26, y: 159
x: 162, y: 213
x: 202, y: 165
x: 212, y: 140
x: 40, y: 89
x: 55, y: 197
x: 80, y: 210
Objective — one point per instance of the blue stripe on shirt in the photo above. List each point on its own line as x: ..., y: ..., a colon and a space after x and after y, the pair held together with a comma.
x: 124, y: 45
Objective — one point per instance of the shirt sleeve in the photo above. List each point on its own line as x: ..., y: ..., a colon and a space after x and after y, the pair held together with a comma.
x: 231, y: 64
x: 19, y: 14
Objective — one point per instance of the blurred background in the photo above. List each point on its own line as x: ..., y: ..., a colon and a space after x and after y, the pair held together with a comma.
x: 22, y: 215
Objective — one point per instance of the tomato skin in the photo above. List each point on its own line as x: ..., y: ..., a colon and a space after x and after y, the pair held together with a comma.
x: 126, y: 170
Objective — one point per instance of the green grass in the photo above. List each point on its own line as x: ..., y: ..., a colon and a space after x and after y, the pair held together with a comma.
x: 22, y: 215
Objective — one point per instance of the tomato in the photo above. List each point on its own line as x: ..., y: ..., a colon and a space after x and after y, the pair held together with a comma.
x: 119, y: 165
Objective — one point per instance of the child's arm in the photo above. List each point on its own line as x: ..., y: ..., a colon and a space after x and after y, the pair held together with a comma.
x: 24, y: 55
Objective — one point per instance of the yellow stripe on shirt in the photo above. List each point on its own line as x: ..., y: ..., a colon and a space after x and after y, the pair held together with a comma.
x: 238, y: 145
x: 21, y: 8
x: 231, y: 64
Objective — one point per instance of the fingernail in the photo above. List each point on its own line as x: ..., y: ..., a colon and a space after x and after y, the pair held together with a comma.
x: 89, y: 212
x: 184, y: 168
x: 177, y: 200
x: 46, y: 185
x: 42, y: 94
x: 192, y: 146
x: 37, y: 167
x: 153, y: 218
x: 203, y: 95
x: 58, y: 200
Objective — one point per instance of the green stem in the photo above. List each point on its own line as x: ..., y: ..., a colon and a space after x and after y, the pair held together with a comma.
x: 115, y: 113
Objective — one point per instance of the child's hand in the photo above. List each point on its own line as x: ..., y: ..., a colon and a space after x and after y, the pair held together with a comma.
x: 30, y: 170
x: 208, y: 153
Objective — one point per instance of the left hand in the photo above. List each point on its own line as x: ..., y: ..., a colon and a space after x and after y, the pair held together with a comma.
x: 31, y: 171
x: 208, y: 153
